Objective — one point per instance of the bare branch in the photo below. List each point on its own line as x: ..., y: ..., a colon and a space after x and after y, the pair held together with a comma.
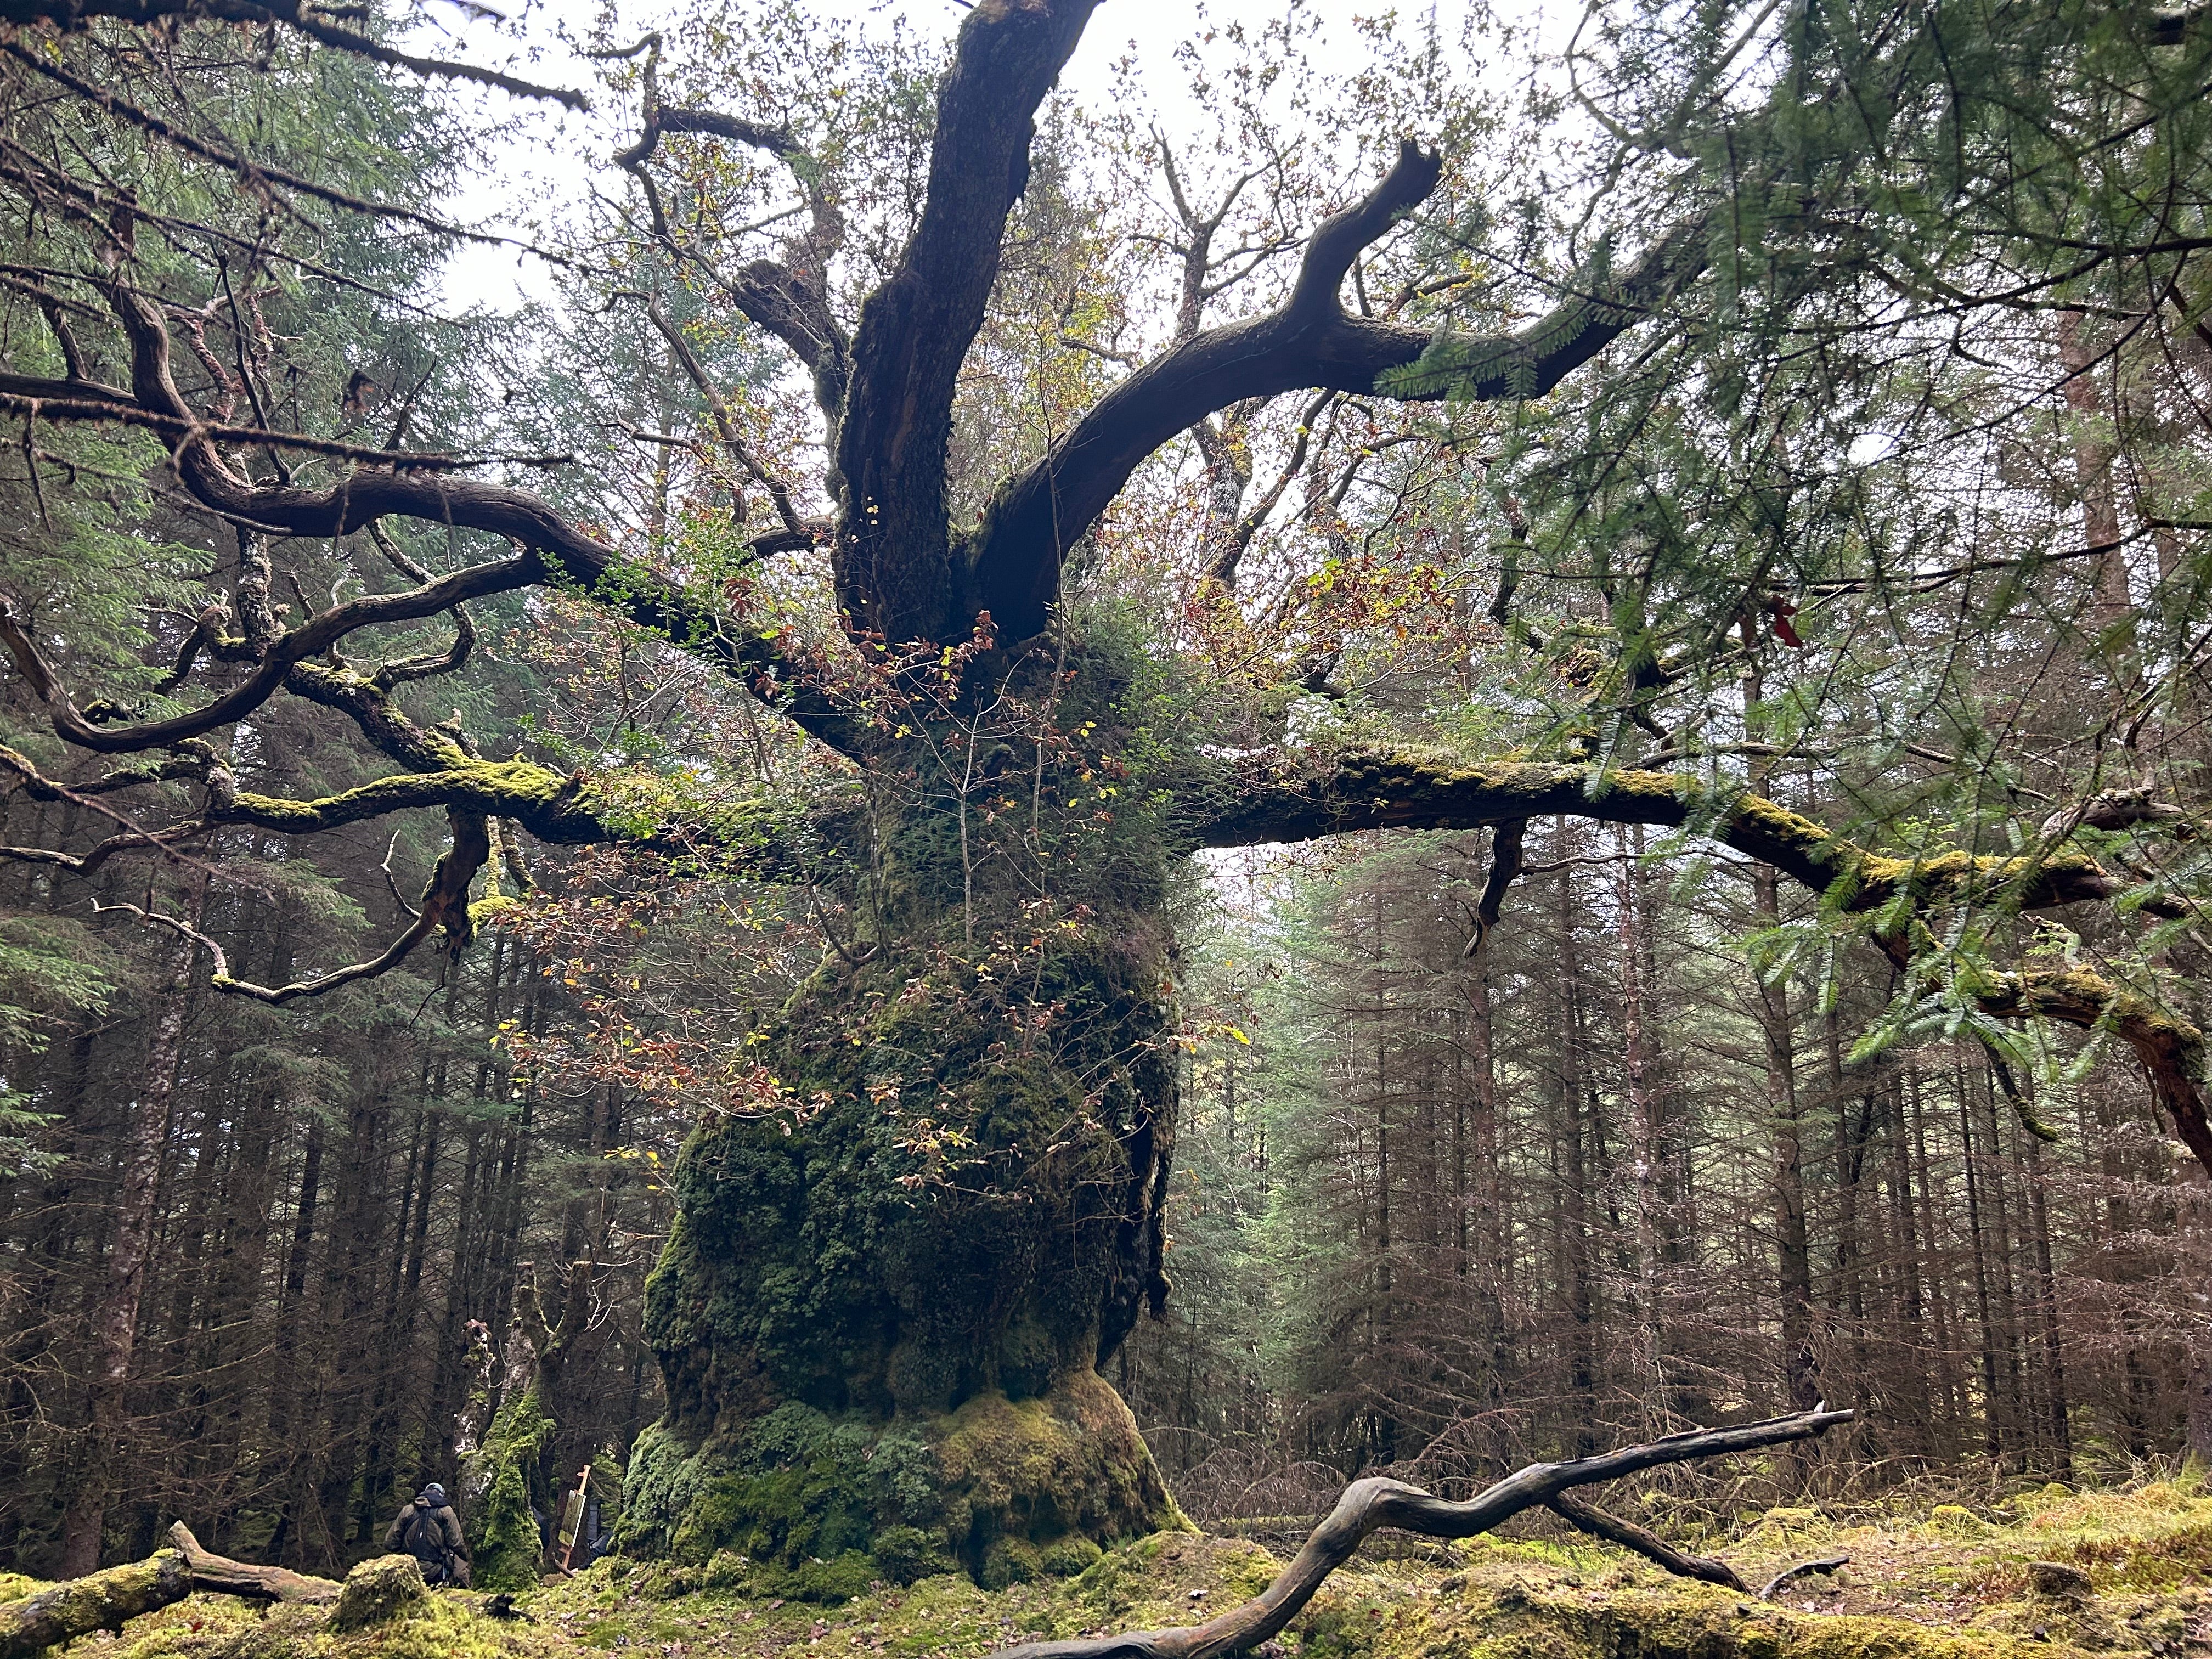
x: 725, y: 424
x: 445, y: 905
x: 553, y: 552
x: 73, y: 14
x: 1012, y: 561
x: 790, y: 300
x: 1627, y: 1534
x: 1505, y: 866
x: 1368, y: 1505
x: 249, y: 172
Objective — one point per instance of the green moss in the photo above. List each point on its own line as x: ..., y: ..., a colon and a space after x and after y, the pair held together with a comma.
x: 960, y: 1214
x: 907, y: 1554
x: 379, y: 1590
x: 1915, y: 1590
x: 504, y: 1543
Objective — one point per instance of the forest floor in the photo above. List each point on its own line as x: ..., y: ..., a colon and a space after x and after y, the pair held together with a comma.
x: 1949, y: 1583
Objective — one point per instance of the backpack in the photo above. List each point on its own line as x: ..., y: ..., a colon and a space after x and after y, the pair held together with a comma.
x: 426, y: 1542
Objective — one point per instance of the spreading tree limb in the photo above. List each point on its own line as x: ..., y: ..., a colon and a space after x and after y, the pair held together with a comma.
x: 1367, y: 1506
x: 1299, y: 799
x: 1308, y: 344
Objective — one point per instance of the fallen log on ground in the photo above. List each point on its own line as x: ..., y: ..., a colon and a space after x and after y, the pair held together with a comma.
x: 98, y: 1600
x: 1368, y: 1505
x: 224, y: 1577
x: 103, y: 1601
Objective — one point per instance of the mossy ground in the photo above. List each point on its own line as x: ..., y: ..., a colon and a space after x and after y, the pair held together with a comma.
x: 1921, y: 1586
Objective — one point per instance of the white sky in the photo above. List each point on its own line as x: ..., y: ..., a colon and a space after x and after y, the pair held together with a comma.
x: 550, y: 158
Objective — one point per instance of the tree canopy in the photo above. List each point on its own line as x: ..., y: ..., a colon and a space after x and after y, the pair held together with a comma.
x: 934, y: 513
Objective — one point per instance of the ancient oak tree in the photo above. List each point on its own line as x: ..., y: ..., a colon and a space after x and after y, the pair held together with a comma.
x: 928, y: 1203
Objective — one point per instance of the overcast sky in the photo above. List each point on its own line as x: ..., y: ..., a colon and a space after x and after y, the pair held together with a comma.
x: 550, y: 158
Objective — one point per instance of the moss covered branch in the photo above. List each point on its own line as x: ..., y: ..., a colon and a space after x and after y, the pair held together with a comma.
x: 1265, y: 802
x: 99, y: 1601
x: 1255, y: 801
x: 103, y: 1601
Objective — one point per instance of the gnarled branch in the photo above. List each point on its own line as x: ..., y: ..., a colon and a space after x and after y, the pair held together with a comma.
x: 1309, y: 343
x: 1264, y: 801
x: 552, y: 552
x: 1368, y: 1505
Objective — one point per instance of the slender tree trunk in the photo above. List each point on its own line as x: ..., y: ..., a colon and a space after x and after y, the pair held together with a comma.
x: 115, y: 1324
x: 1581, y: 1292
x: 2054, y: 1357
x: 1793, y: 1247
x: 1643, y: 1126
x: 1993, y: 1414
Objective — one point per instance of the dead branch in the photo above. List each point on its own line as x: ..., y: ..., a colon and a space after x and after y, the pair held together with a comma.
x: 221, y: 1575
x: 1825, y: 1563
x: 445, y: 905
x: 1368, y: 1505
x: 1506, y: 862
x: 1627, y: 1534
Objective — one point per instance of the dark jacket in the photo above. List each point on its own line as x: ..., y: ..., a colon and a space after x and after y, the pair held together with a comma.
x: 448, y: 1524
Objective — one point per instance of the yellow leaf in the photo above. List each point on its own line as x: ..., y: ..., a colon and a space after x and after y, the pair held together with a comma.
x: 1240, y: 1036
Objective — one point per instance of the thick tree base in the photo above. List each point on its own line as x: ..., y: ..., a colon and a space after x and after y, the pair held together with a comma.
x: 803, y: 1505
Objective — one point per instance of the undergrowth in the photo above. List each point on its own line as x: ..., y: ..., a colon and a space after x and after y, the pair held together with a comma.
x: 1953, y: 1581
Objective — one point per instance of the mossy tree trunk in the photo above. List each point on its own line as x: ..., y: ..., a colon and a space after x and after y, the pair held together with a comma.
x: 508, y: 1484
x: 895, y: 1275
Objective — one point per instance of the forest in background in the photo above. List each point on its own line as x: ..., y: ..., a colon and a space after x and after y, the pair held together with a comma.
x: 1654, y: 1144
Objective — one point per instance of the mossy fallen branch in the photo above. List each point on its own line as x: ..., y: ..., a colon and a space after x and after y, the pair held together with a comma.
x: 1367, y: 1506
x: 98, y: 1600
x: 103, y: 1601
x: 223, y: 1575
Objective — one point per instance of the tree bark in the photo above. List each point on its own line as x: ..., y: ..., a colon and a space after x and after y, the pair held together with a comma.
x: 116, y: 1323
